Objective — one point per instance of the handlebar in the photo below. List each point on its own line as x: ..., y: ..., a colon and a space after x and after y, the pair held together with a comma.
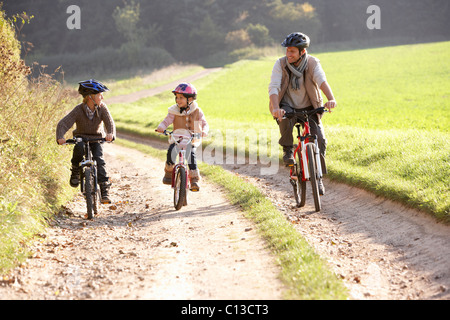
x: 301, y: 112
x: 80, y: 139
x: 195, y: 135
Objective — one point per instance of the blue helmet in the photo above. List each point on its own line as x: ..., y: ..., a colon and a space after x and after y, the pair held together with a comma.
x: 91, y: 86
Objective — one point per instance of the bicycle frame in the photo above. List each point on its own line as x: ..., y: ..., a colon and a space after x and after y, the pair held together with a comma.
x: 181, y: 155
x: 180, y: 171
x: 306, y: 138
x: 91, y: 194
x: 309, y: 167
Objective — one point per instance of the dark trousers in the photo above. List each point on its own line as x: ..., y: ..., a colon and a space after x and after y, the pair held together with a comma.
x: 315, y: 127
x: 190, y: 154
x: 97, y: 155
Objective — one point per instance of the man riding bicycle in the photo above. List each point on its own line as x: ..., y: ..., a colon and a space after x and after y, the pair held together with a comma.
x: 295, y: 83
x: 90, y: 118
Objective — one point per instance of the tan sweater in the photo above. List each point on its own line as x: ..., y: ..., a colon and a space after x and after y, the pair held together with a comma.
x: 86, y: 128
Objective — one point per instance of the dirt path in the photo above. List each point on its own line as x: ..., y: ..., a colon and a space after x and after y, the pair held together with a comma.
x: 382, y: 250
x: 141, y: 248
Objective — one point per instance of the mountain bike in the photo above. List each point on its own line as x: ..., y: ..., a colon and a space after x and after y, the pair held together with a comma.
x: 308, y: 166
x: 88, y: 176
x: 180, y: 172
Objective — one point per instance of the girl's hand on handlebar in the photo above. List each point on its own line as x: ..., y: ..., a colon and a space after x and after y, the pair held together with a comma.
x: 159, y: 130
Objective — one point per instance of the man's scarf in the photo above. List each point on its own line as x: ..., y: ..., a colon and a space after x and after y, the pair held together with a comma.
x: 297, y: 72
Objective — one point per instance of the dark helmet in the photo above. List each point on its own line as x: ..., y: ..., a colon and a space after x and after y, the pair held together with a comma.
x: 296, y: 39
x: 91, y: 86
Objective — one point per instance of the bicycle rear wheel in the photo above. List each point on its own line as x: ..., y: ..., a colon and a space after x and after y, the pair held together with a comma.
x: 96, y: 195
x: 89, y: 192
x: 313, y: 176
x: 179, y: 192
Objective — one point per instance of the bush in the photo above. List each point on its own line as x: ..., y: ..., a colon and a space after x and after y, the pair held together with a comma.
x: 33, y: 170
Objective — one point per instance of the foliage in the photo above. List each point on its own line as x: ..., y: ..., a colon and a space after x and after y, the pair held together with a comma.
x: 194, y: 31
x: 32, y: 170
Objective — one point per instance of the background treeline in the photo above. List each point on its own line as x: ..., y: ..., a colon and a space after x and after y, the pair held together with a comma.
x: 124, y: 34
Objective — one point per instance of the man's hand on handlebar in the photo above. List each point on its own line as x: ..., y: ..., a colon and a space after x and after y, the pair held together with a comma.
x: 330, y: 105
x: 278, y: 113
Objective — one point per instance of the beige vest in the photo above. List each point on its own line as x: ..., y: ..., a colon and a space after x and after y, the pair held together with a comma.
x: 312, y: 88
x: 190, y: 121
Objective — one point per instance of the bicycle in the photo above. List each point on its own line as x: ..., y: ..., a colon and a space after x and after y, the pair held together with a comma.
x: 308, y: 166
x: 180, y: 172
x: 88, y: 176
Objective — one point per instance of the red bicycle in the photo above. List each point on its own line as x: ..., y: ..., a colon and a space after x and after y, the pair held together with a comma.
x: 308, y: 166
x: 180, y: 173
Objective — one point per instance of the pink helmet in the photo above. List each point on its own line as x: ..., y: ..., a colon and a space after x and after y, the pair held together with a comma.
x: 186, y: 89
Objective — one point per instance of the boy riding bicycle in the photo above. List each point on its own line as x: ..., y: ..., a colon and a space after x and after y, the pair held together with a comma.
x: 185, y: 114
x: 89, y: 117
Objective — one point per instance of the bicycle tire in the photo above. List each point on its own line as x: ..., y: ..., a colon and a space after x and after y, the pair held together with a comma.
x: 96, y: 193
x: 300, y: 182
x: 313, y: 176
x: 179, y: 192
x: 88, y: 194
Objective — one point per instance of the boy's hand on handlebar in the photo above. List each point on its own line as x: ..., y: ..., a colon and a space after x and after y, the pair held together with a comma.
x: 61, y: 141
x: 109, y: 137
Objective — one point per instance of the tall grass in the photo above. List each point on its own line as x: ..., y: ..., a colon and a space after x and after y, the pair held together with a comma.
x: 33, y: 170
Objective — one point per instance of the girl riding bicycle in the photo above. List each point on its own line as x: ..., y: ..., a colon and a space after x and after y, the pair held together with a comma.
x: 185, y: 114
x: 90, y: 117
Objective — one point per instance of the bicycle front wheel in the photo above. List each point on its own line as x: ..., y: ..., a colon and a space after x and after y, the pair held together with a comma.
x: 179, y: 192
x: 89, y: 192
x: 313, y: 176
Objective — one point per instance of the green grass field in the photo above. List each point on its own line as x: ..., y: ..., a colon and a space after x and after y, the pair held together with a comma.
x: 389, y: 133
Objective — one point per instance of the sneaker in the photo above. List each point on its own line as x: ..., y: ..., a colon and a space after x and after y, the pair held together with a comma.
x: 104, y: 190
x: 288, y: 156
x: 321, y: 187
x: 167, y: 179
x: 75, y: 177
x: 195, y: 179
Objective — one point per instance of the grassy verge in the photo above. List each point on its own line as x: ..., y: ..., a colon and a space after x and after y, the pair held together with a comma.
x: 33, y: 169
x: 304, y: 272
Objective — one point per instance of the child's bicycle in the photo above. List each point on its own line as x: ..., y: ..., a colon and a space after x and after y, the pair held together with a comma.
x: 88, y: 176
x: 180, y: 173
x: 308, y: 166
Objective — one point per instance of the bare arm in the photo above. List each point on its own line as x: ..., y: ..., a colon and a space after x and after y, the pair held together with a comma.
x: 275, y: 107
x: 326, y: 89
